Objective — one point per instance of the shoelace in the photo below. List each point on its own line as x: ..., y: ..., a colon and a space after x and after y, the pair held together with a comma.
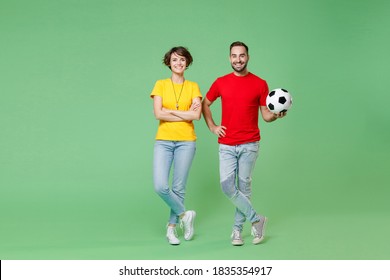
x: 173, y: 231
x: 182, y: 225
x: 254, y: 232
x: 236, y: 234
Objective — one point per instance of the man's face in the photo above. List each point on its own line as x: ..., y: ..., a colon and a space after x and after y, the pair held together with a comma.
x: 239, y: 59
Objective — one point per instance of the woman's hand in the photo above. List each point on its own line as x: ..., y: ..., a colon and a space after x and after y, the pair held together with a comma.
x: 195, y: 105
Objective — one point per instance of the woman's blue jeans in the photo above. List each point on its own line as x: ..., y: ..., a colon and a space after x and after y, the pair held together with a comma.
x: 176, y: 156
x: 236, y: 164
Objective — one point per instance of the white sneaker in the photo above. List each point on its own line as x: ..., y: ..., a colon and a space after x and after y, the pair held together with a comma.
x: 172, y: 236
x: 258, y: 230
x: 187, y: 223
x: 236, y: 238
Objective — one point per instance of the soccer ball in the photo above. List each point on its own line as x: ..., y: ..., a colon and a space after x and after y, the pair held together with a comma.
x: 279, y: 100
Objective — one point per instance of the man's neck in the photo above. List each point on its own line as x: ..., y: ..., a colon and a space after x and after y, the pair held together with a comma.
x: 241, y: 74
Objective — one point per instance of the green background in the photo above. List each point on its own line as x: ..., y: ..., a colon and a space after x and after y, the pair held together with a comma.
x: 77, y: 127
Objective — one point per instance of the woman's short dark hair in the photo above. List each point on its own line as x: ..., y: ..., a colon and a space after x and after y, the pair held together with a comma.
x: 238, y: 43
x: 182, y: 51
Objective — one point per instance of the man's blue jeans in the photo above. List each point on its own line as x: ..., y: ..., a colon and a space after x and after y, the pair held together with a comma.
x: 236, y: 164
x: 177, y: 155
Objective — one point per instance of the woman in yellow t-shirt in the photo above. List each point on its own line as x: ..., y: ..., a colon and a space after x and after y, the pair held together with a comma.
x: 176, y: 102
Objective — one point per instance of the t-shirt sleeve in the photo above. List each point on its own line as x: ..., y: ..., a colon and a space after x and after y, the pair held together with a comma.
x: 264, y: 93
x: 157, y: 90
x: 213, y: 92
x: 196, y: 91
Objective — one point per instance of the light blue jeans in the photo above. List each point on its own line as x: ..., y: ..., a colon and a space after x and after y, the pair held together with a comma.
x: 236, y: 164
x: 178, y: 156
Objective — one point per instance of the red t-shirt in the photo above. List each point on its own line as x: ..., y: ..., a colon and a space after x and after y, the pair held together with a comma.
x: 241, y: 99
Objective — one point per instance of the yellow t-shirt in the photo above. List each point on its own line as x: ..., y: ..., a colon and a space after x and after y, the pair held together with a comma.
x: 176, y: 131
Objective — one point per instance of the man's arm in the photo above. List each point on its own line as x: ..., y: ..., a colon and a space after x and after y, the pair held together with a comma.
x: 218, y: 130
x: 268, y: 116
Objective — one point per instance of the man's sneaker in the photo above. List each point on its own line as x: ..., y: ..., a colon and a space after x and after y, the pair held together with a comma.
x: 187, y: 223
x: 258, y: 230
x: 172, y: 236
x: 236, y: 238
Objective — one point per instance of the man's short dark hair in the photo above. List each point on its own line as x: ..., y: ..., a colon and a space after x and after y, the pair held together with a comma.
x: 238, y: 43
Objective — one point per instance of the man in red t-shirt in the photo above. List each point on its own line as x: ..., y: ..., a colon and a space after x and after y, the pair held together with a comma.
x: 242, y: 94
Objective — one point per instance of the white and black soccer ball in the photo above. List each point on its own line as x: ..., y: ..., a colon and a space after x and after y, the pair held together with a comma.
x: 279, y: 100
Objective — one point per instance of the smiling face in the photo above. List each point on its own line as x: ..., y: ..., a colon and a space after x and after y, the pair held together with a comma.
x: 239, y: 59
x: 177, y: 63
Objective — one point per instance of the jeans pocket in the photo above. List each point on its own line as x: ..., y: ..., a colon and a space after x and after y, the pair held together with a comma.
x: 253, y: 147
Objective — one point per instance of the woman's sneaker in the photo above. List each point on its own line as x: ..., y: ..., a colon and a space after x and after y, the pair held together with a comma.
x: 258, y: 230
x: 172, y: 236
x: 236, y: 238
x: 187, y: 223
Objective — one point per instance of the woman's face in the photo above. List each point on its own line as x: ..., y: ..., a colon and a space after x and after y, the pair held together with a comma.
x: 178, y: 63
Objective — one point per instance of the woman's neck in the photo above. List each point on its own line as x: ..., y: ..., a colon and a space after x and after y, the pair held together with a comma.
x: 177, y: 79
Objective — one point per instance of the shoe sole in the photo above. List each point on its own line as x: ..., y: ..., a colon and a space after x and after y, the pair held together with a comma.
x: 262, y: 233
x: 237, y: 243
x: 193, y: 215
